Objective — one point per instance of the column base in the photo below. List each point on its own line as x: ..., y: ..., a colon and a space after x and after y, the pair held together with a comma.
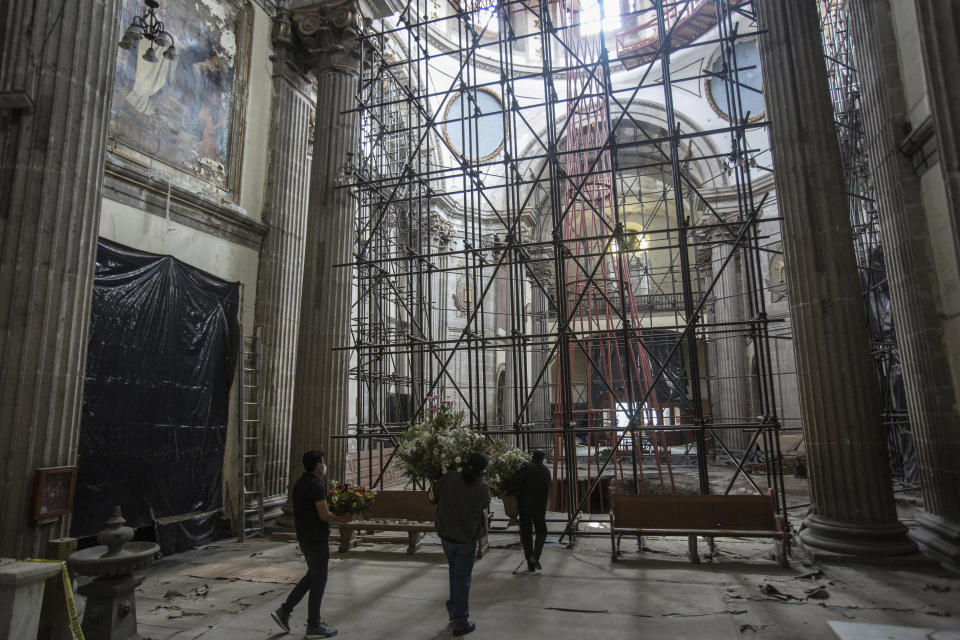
x: 285, y: 523
x: 828, y: 540
x: 938, y: 538
x: 273, y: 509
x: 111, y: 611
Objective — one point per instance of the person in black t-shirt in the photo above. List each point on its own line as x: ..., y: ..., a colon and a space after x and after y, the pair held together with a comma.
x: 534, y: 493
x: 312, y: 519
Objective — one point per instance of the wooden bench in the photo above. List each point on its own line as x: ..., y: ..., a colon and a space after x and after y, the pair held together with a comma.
x: 408, y: 511
x: 710, y: 516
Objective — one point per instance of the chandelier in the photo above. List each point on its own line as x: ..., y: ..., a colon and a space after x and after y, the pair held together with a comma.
x: 148, y: 26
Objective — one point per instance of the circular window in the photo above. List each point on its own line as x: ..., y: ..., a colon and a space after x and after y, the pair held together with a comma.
x: 749, y: 82
x: 474, y: 124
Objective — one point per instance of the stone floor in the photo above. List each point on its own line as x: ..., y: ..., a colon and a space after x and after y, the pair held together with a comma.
x: 227, y: 591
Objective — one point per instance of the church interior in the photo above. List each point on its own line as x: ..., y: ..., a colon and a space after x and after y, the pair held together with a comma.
x: 703, y: 254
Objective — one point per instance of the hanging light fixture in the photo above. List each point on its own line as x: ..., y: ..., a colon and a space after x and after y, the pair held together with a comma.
x: 148, y: 26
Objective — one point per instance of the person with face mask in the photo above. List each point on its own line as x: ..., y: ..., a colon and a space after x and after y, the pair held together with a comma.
x: 312, y: 519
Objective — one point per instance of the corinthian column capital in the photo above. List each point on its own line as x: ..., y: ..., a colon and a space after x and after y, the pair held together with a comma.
x: 322, y: 35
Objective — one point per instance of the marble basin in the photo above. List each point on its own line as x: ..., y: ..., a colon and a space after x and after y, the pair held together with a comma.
x: 98, y: 561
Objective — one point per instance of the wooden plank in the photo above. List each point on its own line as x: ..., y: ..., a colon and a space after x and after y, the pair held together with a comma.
x: 390, y: 526
x: 716, y: 533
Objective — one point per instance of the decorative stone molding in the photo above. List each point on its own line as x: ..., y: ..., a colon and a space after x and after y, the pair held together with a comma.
x: 323, y: 35
x: 127, y: 184
x: 440, y: 232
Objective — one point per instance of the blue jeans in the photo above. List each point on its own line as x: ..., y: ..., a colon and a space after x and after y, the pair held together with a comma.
x: 317, y: 557
x: 460, y: 558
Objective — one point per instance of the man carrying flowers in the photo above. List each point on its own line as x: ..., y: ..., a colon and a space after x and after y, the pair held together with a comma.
x: 462, y: 497
x: 534, y: 493
x: 312, y: 519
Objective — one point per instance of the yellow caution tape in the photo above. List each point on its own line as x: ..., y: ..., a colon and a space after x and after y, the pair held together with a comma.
x: 68, y: 590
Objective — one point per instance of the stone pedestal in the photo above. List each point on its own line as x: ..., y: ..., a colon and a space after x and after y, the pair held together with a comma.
x: 939, y: 538
x: 59, y: 58
x: 54, y: 616
x: 21, y: 594
x: 111, y: 612
x: 853, y: 515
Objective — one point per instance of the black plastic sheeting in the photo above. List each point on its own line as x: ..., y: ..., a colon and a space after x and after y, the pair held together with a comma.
x: 160, y: 362
x: 672, y: 385
x: 889, y: 369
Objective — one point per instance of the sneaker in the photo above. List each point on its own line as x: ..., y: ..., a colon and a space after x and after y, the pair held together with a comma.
x: 319, y: 631
x: 282, y: 618
x: 462, y: 631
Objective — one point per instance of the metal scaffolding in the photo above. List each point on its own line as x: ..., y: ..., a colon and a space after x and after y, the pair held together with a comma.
x: 864, y: 219
x: 534, y: 216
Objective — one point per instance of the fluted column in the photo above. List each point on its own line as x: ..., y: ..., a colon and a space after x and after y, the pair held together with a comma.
x: 540, y: 276
x: 56, y: 71
x: 325, y: 34
x: 852, y: 508
x: 280, y: 276
x: 939, y: 21
x: 932, y: 393
x: 731, y: 388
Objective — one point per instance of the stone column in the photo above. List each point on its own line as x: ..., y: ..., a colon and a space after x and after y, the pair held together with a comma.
x: 326, y: 36
x: 908, y: 253
x: 56, y: 76
x: 281, y: 260
x: 541, y: 275
x: 731, y: 388
x: 938, y: 23
x: 852, y: 508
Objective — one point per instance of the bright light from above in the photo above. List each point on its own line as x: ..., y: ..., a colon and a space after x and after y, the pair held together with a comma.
x: 590, y: 16
x: 486, y: 18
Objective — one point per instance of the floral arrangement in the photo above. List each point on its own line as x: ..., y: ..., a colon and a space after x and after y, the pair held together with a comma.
x: 350, y: 499
x: 440, y: 443
x: 503, y: 473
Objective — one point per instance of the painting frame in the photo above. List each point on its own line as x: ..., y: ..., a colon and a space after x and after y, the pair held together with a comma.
x: 53, y: 491
x: 146, y: 131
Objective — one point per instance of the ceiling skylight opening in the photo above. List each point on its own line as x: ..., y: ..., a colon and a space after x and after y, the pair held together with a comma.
x: 485, y: 20
x: 597, y: 13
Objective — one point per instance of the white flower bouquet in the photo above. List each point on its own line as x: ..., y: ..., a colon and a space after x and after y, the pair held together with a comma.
x: 440, y: 443
x: 503, y: 471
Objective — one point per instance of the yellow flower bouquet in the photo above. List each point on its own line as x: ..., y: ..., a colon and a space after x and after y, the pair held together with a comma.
x: 350, y: 499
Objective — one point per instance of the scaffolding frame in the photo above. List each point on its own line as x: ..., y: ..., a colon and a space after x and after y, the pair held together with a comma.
x: 515, y: 283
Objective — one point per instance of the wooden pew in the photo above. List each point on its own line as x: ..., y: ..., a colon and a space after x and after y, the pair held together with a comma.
x: 695, y: 515
x: 406, y: 511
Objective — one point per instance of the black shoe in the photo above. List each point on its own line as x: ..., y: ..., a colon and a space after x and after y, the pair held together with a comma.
x: 282, y: 618
x: 537, y: 564
x: 319, y: 631
x: 462, y: 631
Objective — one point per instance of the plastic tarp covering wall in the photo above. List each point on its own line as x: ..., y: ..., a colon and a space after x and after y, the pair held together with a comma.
x: 889, y: 369
x: 672, y: 385
x: 160, y: 362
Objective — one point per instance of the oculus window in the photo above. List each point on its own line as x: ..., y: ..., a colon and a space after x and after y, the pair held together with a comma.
x: 747, y: 82
x: 474, y: 124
